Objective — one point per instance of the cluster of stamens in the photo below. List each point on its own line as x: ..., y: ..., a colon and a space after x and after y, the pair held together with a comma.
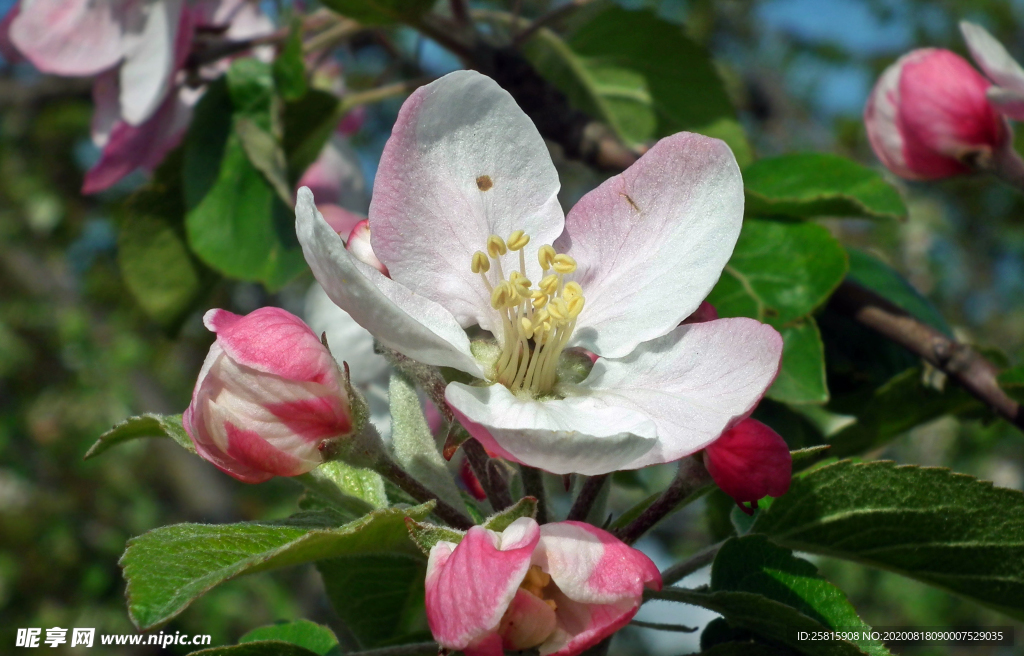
x: 536, y: 323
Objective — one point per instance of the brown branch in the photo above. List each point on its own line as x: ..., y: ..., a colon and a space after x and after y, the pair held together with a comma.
x: 415, y: 489
x: 958, y: 361
x: 680, y: 571
x: 553, y: 16
x: 691, y: 477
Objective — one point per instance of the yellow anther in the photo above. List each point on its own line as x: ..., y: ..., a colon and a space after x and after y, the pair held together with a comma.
x: 517, y: 240
x: 540, y: 299
x: 501, y: 295
x: 549, y: 285
x: 527, y: 327
x: 559, y: 310
x: 571, y: 291
x: 546, y: 255
x: 496, y: 246
x: 563, y: 263
x: 480, y: 262
x: 576, y: 306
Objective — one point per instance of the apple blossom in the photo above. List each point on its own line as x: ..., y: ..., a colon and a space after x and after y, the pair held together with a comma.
x: 465, y: 217
x: 929, y: 116
x: 268, y: 395
x: 750, y: 461
x: 560, y: 587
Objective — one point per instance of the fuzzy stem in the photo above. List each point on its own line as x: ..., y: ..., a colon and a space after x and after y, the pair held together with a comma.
x: 586, y: 498
x: 692, y: 476
x: 497, y: 490
x: 391, y: 471
x: 533, y: 486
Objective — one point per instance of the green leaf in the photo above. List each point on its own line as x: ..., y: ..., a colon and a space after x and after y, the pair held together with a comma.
x: 379, y: 597
x: 945, y: 529
x: 167, y: 568
x: 802, y: 376
x: 805, y: 185
x: 364, y: 484
x: 147, y: 425
x: 266, y: 155
x: 312, y: 636
x: 642, y: 88
x: 525, y: 507
x: 261, y: 648
x: 290, y: 66
x: 896, y: 407
x: 426, y: 535
x: 764, y: 589
x: 780, y: 271
x: 381, y: 12
x: 308, y: 124
x: 155, y: 262
x: 235, y: 221
x: 879, y: 277
x: 414, y: 447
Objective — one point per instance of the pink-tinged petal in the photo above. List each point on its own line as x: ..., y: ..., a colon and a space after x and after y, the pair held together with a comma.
x: 945, y: 111
x: 750, y: 461
x: 336, y: 177
x: 314, y: 419
x: 249, y: 449
x: 881, y: 114
x: 130, y: 147
x: 152, y: 53
x: 470, y: 481
x: 652, y: 241
x: 74, y: 37
x: 1008, y: 102
x: 992, y: 57
x: 340, y: 219
x: 7, y: 49
x: 106, y: 112
x: 592, y: 566
x: 705, y: 312
x: 469, y: 586
x: 401, y: 320
x: 353, y: 121
x: 216, y: 13
x: 693, y: 383
x: 581, y: 626
x: 578, y: 434
x: 358, y: 244
x: 527, y: 623
x: 488, y: 646
x: 273, y: 341
x: 463, y: 162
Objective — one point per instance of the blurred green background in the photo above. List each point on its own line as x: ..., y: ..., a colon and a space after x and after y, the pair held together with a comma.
x: 77, y: 354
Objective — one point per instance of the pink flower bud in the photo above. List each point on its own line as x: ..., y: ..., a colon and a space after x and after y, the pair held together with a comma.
x: 561, y: 587
x: 267, y: 397
x: 928, y: 115
x: 704, y: 312
x: 750, y: 461
x: 359, y: 245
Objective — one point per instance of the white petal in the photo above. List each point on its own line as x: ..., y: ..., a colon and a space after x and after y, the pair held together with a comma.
x: 652, y: 241
x: 400, y: 319
x: 149, y: 61
x: 574, y: 435
x: 692, y: 383
x: 992, y: 57
x: 1007, y: 102
x: 463, y: 162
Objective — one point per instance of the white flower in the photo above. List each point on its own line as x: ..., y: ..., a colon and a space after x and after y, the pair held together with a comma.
x: 465, y: 217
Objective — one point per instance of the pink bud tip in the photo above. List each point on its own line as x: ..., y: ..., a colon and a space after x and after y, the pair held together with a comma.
x: 928, y: 116
x: 750, y: 461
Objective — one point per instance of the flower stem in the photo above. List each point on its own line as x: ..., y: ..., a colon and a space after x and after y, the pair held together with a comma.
x: 494, y: 485
x: 680, y: 571
x: 533, y: 486
x: 688, y: 483
x: 589, y: 493
x: 387, y: 468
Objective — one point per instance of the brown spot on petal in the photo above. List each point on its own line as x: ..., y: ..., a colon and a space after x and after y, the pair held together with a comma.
x: 631, y: 202
x: 484, y: 182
